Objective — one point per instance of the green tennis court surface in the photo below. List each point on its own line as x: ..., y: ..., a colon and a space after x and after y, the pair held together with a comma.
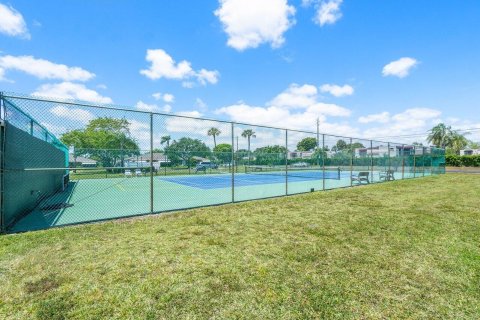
x: 100, y: 199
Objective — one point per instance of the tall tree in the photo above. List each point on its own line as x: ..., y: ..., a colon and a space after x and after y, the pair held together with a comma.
x: 249, y: 134
x: 185, y: 149
x: 165, y: 139
x: 223, y: 152
x: 340, y: 146
x: 307, y: 144
x: 440, y: 135
x: 104, y: 139
x: 214, y: 132
x: 270, y: 155
x: 458, y: 142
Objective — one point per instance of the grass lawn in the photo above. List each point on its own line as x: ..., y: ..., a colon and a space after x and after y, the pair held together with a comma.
x: 405, y: 249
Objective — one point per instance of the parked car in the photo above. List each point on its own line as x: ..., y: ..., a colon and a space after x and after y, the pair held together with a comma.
x: 204, y: 165
x: 300, y: 165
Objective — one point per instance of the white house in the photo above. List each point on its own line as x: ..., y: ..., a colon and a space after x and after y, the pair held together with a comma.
x: 143, y: 160
x: 78, y: 161
x: 470, y: 152
x: 300, y: 154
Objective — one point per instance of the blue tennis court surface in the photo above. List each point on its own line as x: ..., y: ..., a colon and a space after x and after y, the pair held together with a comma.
x: 217, y: 181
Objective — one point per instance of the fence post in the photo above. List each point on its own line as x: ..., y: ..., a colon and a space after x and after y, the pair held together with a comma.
x: 389, y: 163
x: 371, y: 159
x: 151, y: 162
x: 414, y: 161
x: 423, y: 161
x: 232, y: 164
x: 403, y: 161
x: 323, y: 161
x: 351, y: 162
x: 286, y: 162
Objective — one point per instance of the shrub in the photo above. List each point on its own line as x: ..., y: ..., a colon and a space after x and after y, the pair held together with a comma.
x: 462, y: 161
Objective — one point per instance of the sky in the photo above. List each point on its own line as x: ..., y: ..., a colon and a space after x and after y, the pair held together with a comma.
x: 386, y: 70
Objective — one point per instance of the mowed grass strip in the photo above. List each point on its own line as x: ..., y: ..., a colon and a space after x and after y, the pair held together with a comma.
x: 405, y: 249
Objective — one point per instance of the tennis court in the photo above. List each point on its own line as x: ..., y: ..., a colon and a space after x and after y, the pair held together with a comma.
x: 101, y: 199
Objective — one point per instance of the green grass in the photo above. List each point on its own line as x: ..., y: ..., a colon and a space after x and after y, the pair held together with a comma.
x: 406, y: 249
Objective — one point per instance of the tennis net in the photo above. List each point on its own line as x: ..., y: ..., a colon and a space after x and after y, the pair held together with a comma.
x: 315, y: 173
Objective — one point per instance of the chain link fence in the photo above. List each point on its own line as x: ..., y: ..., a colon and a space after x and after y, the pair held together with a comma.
x: 65, y: 162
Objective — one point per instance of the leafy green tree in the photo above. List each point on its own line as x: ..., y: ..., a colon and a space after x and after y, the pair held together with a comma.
x: 457, y: 142
x: 307, y: 144
x: 474, y: 145
x: 183, y: 150
x: 340, y: 146
x: 270, y: 155
x: 356, y: 145
x: 214, y: 132
x: 104, y: 139
x: 223, y: 152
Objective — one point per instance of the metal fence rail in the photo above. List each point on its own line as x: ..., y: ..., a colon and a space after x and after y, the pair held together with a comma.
x: 124, y: 162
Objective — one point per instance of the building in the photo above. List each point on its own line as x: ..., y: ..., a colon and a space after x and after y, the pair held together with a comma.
x: 470, y: 152
x: 143, y: 160
x: 300, y: 154
x: 78, y: 161
x: 395, y: 151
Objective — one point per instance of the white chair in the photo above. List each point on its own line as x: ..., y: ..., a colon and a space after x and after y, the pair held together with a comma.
x: 138, y: 173
x: 128, y: 173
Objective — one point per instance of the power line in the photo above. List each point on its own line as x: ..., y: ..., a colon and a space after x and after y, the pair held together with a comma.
x: 422, y: 134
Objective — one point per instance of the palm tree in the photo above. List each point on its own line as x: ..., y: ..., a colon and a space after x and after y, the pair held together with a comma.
x: 214, y: 132
x: 440, y: 135
x: 165, y: 139
x: 248, y: 133
x: 458, y: 142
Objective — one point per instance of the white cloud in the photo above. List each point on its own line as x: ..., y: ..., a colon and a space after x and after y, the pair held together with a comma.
x: 164, y: 66
x: 250, y: 23
x: 296, y: 96
x: 201, y: 105
x: 12, y: 23
x: 73, y: 114
x: 413, y: 120
x: 44, y: 69
x: 336, y: 90
x: 399, y: 68
x: 382, y: 117
x: 55, y: 129
x: 102, y: 86
x: 188, y: 84
x: 142, y: 106
x: 328, y: 12
x: 417, y: 114
x: 207, y: 76
x: 295, y: 108
x: 69, y: 90
x: 167, y: 97
x: 166, y: 108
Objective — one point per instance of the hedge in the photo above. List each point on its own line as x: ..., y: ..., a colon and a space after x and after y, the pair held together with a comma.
x: 462, y: 161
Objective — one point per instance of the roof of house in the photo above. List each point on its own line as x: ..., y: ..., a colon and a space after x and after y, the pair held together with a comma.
x: 80, y: 159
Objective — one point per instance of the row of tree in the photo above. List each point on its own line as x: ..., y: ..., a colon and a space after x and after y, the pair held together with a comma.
x: 108, y: 140
x: 453, y: 141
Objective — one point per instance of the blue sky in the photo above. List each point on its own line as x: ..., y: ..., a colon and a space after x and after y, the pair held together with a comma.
x: 379, y: 69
